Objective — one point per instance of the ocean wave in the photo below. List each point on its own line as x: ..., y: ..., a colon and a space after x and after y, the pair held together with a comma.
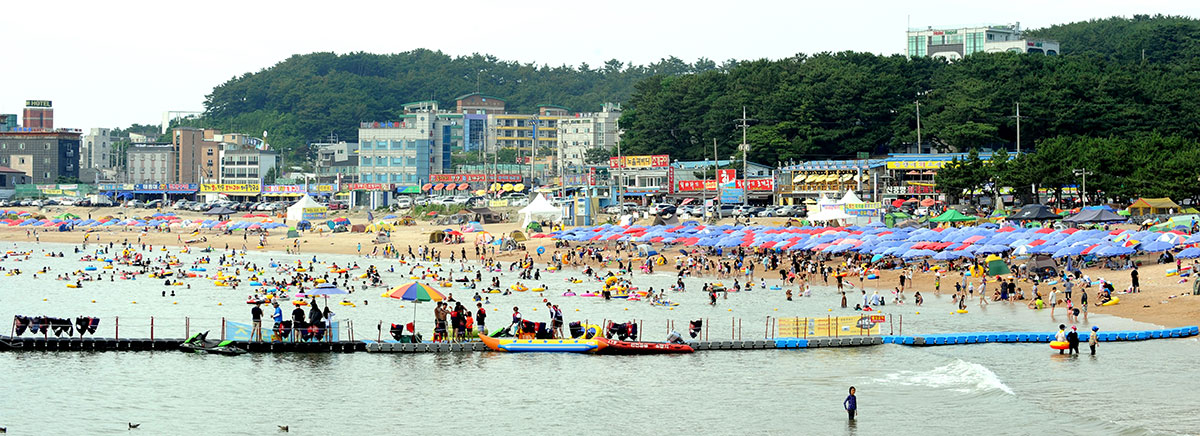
x: 957, y: 376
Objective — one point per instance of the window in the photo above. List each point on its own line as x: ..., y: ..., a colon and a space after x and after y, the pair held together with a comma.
x: 46, y: 160
x: 47, y: 146
x: 21, y: 146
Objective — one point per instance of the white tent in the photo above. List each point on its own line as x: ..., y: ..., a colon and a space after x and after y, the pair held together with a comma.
x: 540, y: 208
x: 296, y: 212
x: 850, y: 198
x: 830, y: 214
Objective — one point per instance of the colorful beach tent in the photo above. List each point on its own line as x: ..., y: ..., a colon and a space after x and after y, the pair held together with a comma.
x: 996, y: 266
x: 951, y: 216
x: 1151, y: 206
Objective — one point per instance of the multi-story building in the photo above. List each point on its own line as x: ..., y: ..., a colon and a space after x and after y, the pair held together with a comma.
x: 151, y: 163
x: 476, y: 103
x: 245, y: 164
x: 517, y: 130
x: 337, y: 162
x: 198, y: 155
x: 585, y: 131
x: 407, y: 151
x: 96, y: 159
x: 954, y: 43
x: 43, y: 155
x: 8, y: 122
x: 38, y: 114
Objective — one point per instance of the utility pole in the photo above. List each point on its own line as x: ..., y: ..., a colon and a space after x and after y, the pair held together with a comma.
x: 620, y: 180
x: 918, y: 126
x: 534, y: 146
x: 745, y: 158
x: 1018, y: 117
x: 1019, y: 128
x: 1083, y: 189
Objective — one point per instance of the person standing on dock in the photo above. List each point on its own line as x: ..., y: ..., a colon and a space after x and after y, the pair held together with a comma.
x: 851, y: 404
x: 256, y: 323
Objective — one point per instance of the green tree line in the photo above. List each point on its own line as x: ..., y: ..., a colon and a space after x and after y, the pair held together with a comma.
x: 306, y: 98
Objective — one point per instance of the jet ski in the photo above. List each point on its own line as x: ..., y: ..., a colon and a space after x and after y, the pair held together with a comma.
x: 199, y: 343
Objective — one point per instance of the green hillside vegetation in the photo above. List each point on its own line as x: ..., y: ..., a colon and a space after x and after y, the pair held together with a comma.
x: 307, y: 97
x: 1099, y: 93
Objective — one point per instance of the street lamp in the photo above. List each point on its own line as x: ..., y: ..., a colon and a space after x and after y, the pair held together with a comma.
x: 1083, y: 189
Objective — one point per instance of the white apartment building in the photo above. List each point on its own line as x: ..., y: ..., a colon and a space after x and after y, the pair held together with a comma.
x: 584, y: 131
x: 150, y: 163
x: 244, y: 164
x: 95, y: 149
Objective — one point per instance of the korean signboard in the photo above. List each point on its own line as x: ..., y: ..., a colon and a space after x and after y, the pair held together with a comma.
x: 365, y: 187
x: 231, y: 188
x: 711, y: 185
x: 467, y: 178
x: 648, y: 161
x: 314, y: 213
x: 917, y: 164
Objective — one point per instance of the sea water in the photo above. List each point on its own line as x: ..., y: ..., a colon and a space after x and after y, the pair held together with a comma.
x: 1128, y: 388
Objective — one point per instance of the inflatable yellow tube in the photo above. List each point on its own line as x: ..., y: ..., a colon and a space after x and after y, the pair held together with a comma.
x: 72, y: 286
x: 538, y: 289
x: 1059, y: 345
x: 1111, y: 302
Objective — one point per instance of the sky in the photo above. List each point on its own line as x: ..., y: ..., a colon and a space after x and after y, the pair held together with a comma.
x: 111, y: 64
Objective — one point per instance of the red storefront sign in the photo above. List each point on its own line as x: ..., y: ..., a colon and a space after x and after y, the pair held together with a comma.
x: 468, y: 178
x: 726, y: 176
x: 591, y: 177
x: 671, y: 179
x: 710, y: 185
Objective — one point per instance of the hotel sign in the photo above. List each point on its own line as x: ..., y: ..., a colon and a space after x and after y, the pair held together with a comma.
x: 37, y: 103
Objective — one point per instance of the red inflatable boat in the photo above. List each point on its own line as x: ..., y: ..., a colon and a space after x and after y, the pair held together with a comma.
x: 626, y: 347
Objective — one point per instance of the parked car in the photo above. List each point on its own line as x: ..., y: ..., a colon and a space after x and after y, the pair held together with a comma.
x: 337, y: 205
x: 404, y: 202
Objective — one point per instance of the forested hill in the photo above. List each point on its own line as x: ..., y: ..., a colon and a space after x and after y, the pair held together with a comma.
x: 1160, y: 38
x: 307, y: 97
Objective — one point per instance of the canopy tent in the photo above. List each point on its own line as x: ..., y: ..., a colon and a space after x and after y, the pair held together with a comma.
x: 296, y: 211
x: 539, y: 208
x: 830, y: 215
x: 1034, y: 212
x: 220, y: 210
x: 486, y: 216
x: 1094, y: 216
x: 951, y: 216
x: 1151, y: 206
x: 850, y: 198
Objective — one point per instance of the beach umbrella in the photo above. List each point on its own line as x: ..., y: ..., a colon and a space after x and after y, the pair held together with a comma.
x: 1189, y: 253
x: 415, y: 292
x: 325, y: 289
x: 1157, y: 247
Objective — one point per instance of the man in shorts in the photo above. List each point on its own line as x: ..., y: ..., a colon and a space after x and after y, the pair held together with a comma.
x: 480, y: 316
x: 1053, y: 300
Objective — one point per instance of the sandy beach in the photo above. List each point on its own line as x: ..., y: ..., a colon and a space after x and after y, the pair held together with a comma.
x: 1163, y: 300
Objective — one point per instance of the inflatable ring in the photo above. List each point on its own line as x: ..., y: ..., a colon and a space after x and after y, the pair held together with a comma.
x: 1111, y: 302
x: 1059, y: 345
x: 72, y: 286
x: 220, y: 283
x: 961, y: 311
x: 321, y: 281
x: 538, y: 289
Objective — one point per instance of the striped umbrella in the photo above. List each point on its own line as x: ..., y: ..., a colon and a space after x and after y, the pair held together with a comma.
x: 414, y: 292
